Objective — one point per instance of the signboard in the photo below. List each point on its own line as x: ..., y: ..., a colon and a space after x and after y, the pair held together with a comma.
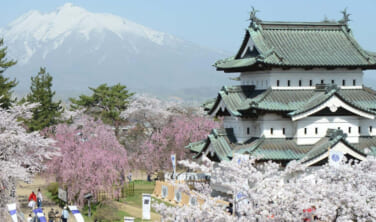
x: 128, y: 219
x: 192, y: 201
x: 164, y: 191
x: 177, y: 195
x: 146, y: 202
x: 62, y: 194
x: 335, y: 157
x: 173, y: 160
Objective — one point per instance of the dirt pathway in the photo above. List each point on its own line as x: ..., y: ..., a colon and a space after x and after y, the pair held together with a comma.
x: 135, y: 211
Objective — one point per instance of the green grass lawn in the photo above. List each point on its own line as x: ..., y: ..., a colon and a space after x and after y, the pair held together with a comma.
x: 135, y: 201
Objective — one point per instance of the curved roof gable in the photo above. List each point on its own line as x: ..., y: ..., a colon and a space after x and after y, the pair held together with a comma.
x: 246, y: 101
x: 292, y: 44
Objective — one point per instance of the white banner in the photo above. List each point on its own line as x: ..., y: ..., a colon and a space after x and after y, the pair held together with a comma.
x: 146, y: 202
x: 76, y: 213
x: 12, y: 208
x: 335, y: 157
x: 40, y: 215
x: 173, y: 160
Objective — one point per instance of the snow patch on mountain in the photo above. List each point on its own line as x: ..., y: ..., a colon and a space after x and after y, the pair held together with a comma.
x: 82, y: 49
x: 56, y: 26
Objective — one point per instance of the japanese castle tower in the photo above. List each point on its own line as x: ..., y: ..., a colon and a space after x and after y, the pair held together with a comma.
x: 301, y: 94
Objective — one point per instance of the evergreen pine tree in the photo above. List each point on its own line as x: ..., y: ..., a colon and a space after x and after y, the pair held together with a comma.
x: 47, y: 113
x: 6, y: 85
x: 106, y: 102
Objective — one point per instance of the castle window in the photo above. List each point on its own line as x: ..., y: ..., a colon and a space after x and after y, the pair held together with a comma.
x: 344, y: 82
x: 283, y: 131
x: 277, y: 82
x: 332, y: 81
x: 370, y: 129
x: 288, y: 82
x: 310, y: 82
x: 316, y: 130
x: 305, y: 131
x: 248, y: 131
x: 349, y: 130
x: 271, y: 131
x: 359, y: 129
x: 354, y: 82
x: 322, y: 81
x: 300, y: 82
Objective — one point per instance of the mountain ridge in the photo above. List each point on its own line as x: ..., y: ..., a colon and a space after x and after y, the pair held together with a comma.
x: 82, y: 49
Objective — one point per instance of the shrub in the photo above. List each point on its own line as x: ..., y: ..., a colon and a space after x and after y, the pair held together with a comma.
x: 53, y: 188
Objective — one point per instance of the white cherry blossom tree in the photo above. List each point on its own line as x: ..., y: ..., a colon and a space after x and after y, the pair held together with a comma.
x: 21, y: 153
x: 267, y: 192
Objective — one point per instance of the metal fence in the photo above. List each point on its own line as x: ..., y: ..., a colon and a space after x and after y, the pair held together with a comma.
x: 116, y: 193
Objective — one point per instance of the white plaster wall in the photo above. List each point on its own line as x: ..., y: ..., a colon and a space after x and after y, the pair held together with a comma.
x: 266, y: 79
x: 262, y: 127
x: 323, y: 124
x: 277, y: 123
x: 241, y: 126
x: 365, y: 125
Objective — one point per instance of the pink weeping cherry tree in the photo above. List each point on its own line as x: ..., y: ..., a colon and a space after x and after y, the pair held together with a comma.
x: 172, y: 138
x: 91, y: 158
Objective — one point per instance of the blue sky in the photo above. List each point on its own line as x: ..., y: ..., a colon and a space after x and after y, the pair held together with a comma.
x: 217, y: 24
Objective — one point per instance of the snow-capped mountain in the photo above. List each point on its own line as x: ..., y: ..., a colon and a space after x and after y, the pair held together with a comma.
x: 82, y: 49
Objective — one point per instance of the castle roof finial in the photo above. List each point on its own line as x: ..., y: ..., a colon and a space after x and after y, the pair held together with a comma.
x: 346, y: 17
x: 252, y: 16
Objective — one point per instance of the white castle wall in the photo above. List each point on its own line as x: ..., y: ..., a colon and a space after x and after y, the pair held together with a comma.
x: 304, y: 131
x: 266, y: 79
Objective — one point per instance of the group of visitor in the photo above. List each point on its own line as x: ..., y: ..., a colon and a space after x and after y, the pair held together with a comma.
x: 35, y: 201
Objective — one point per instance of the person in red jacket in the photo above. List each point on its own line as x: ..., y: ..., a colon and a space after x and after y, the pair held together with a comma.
x: 32, y: 200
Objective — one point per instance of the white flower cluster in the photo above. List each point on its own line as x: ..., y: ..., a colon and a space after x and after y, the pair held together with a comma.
x: 266, y: 191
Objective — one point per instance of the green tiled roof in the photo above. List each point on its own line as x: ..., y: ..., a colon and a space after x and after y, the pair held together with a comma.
x: 276, y: 149
x: 196, y: 146
x: 219, y: 139
x: 291, y: 44
x: 281, y: 149
x: 243, y: 100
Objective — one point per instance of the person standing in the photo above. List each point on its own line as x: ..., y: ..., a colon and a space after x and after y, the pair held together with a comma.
x: 32, y: 200
x: 65, y: 214
x: 39, y: 198
x: 51, y: 215
x: 30, y: 218
x: 130, y: 177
